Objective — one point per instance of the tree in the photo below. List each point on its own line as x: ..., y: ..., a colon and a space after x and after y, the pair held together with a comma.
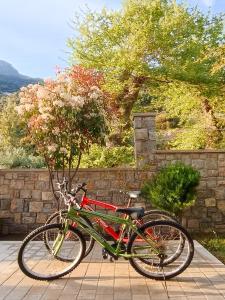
x: 147, y: 43
x: 11, y: 130
x: 187, y: 118
x: 63, y: 117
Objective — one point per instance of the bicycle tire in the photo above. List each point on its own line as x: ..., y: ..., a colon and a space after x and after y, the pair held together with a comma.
x: 161, y: 275
x: 22, y: 255
x: 157, y: 214
x: 91, y: 241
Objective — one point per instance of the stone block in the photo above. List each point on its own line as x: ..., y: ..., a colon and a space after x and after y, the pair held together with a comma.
x: 2, y: 180
x: 9, y: 175
x: 17, y: 184
x: 221, y: 182
x: 17, y: 218
x: 43, y: 177
x: 211, y: 183
x: 217, y: 217
x: 222, y: 171
x: 212, y: 173
x: 48, y: 208
x: 42, y: 185
x: 5, y: 214
x: 25, y: 194
x: 5, y: 204
x: 148, y: 122
x: 141, y: 134
x: 28, y: 220
x: 198, y: 163
x: 47, y: 196
x: 17, y: 205
x: 212, y: 164
x: 36, y: 206
x: 221, y: 156
x: 29, y: 185
x: 137, y: 122
x: 193, y: 223
x: 36, y: 195
x: 221, y: 205
x: 152, y: 135
x: 220, y: 193
x: 41, y: 218
x: 210, y: 202
x: 4, y: 189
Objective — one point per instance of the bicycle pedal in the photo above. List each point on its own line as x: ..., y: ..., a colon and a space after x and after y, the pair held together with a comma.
x: 104, y: 254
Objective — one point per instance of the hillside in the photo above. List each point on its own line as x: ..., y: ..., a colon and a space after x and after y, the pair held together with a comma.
x: 11, y: 80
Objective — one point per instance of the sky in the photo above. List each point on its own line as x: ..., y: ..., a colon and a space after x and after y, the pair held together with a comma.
x: 34, y: 33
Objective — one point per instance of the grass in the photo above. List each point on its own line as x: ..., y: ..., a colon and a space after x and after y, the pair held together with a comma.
x: 214, y: 243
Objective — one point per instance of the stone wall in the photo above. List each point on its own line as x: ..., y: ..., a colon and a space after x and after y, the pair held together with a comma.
x: 26, y: 198
x: 209, y: 211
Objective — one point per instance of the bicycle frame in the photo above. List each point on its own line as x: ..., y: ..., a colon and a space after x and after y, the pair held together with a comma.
x: 85, y: 202
x: 75, y: 213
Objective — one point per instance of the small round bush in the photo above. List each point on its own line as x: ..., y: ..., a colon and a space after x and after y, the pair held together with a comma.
x: 172, y: 188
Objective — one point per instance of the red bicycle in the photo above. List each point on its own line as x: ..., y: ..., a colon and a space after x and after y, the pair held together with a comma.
x: 113, y: 233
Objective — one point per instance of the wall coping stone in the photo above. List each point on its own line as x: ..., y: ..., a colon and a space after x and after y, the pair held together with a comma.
x: 80, y: 170
x: 146, y: 114
x: 188, y: 151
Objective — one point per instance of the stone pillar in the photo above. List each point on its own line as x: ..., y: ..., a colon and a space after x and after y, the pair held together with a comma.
x: 144, y: 138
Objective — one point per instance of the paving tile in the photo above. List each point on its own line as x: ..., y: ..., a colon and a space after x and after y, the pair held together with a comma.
x: 100, y: 279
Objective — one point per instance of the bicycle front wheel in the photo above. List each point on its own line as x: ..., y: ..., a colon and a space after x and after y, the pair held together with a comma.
x: 151, y: 256
x: 37, y: 262
x: 56, y: 218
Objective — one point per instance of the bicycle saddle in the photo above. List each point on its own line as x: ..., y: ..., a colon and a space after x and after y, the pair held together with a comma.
x: 134, y: 212
x: 133, y: 194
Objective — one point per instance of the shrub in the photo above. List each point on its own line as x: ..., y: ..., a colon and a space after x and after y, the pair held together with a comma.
x: 99, y: 156
x: 172, y: 188
x: 19, y: 158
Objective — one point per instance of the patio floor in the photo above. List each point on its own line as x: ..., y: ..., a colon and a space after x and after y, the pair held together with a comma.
x: 101, y: 280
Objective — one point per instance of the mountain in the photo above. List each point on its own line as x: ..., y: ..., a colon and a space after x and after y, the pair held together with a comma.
x: 11, y: 80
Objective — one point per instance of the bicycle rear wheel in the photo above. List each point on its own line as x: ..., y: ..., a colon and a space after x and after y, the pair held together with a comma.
x: 156, y: 214
x: 165, y: 237
x: 38, y: 262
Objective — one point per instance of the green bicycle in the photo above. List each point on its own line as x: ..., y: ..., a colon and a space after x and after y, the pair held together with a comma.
x: 148, y: 249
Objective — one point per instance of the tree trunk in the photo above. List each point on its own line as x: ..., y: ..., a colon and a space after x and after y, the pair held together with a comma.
x: 125, y: 102
x: 214, y: 133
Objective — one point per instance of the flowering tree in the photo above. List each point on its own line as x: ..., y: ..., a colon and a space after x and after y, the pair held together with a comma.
x: 64, y: 117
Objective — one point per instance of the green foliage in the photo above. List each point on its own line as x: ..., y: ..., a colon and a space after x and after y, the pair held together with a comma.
x: 11, y: 130
x: 198, y: 117
x: 99, y: 156
x: 19, y: 158
x: 150, y: 43
x: 172, y: 188
x: 213, y: 242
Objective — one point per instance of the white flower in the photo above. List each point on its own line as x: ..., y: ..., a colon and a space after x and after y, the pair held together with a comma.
x: 52, y: 148
x: 46, y: 116
x: 20, y: 109
x: 28, y: 107
x: 77, y: 101
x: 94, y: 96
x: 59, y: 103
x: 42, y: 93
x: 56, y: 130
x: 23, y: 100
x: 63, y: 150
x: 94, y: 88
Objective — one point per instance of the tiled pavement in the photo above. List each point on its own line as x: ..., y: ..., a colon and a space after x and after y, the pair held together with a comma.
x: 101, y: 280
